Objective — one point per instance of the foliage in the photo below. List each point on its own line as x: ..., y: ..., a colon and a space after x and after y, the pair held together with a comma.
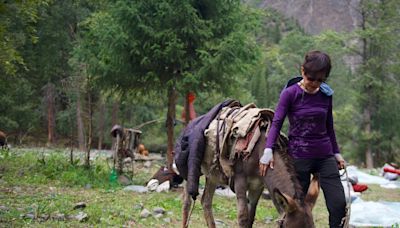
x: 128, y: 53
x: 17, y: 28
x: 377, y: 79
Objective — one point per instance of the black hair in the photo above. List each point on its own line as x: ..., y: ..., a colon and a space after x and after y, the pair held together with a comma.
x: 315, y: 63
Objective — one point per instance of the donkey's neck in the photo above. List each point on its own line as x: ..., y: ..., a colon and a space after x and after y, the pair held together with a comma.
x: 283, y: 176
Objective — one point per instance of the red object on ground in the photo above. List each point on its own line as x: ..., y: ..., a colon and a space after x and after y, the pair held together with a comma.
x: 360, y: 187
x: 390, y: 170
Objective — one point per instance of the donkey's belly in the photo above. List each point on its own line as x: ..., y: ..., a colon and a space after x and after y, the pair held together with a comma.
x: 210, y: 166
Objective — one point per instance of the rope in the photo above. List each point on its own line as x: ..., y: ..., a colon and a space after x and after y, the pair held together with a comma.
x: 190, y: 214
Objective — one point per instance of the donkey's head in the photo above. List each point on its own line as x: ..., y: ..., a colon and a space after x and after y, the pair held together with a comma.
x: 296, y: 213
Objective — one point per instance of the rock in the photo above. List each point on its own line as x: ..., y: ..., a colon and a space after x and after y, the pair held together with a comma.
x: 227, y: 192
x: 164, y: 187
x: 80, y: 205
x: 29, y: 216
x: 3, y: 208
x: 123, y: 180
x: 268, y: 220
x: 127, y: 160
x: 58, y: 217
x: 158, y: 210
x: 340, y: 16
x: 266, y: 195
x: 167, y: 220
x: 219, y: 222
x: 147, y: 164
x: 157, y: 216
x: 136, y: 188
x: 44, y: 217
x: 138, y: 206
x: 81, y: 216
x: 145, y: 213
x: 152, y: 184
x: 88, y: 186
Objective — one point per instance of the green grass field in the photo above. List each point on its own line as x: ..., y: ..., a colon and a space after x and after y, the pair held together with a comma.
x: 43, y: 192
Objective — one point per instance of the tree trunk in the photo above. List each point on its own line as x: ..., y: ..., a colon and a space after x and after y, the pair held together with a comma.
x: 114, y: 119
x: 170, y: 122
x: 90, y: 126
x: 187, y: 109
x: 367, y: 130
x: 79, y: 120
x: 51, y: 122
x: 367, y: 112
x: 101, y: 124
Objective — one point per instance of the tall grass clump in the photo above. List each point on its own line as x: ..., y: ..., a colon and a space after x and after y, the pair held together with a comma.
x: 34, y: 167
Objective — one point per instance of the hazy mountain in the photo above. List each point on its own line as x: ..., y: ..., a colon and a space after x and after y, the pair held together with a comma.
x: 315, y: 16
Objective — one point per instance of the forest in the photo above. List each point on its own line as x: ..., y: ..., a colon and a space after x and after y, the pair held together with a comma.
x: 70, y: 70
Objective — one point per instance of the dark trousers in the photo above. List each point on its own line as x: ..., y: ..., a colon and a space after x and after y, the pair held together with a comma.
x: 331, y: 185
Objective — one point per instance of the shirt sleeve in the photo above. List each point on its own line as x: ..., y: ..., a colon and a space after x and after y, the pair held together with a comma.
x: 330, y: 129
x: 279, y: 117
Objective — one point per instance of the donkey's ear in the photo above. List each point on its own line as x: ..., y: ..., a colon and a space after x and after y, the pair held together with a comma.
x: 313, y: 191
x: 284, y: 201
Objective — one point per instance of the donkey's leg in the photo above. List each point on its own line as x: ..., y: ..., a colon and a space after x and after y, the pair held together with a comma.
x: 206, y: 202
x: 187, y: 202
x: 255, y: 190
x: 240, y: 190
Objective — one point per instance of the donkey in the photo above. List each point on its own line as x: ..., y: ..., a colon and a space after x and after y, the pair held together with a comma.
x: 3, y: 140
x: 281, y: 182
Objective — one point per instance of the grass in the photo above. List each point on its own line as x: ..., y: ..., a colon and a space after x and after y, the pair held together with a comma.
x: 48, y: 186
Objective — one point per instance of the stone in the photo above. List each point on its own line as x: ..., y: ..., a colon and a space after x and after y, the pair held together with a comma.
x: 167, y: 220
x: 268, y: 220
x: 138, y: 206
x: 127, y: 160
x: 80, y: 205
x: 157, y: 216
x: 58, y: 217
x: 145, y: 213
x: 219, y: 222
x: 81, y: 216
x: 29, y: 216
x: 44, y: 217
x: 159, y: 210
x: 136, y: 188
x: 3, y: 208
x: 164, y: 187
x: 152, y: 184
x: 266, y: 195
x: 124, y: 180
x: 147, y: 164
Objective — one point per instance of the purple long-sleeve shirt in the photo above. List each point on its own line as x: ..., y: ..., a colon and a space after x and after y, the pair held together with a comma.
x: 311, y: 132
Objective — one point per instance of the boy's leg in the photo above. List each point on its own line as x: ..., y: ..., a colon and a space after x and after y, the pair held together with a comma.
x: 303, y: 169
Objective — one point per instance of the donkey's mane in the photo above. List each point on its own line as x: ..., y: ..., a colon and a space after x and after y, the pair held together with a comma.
x: 289, y: 164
